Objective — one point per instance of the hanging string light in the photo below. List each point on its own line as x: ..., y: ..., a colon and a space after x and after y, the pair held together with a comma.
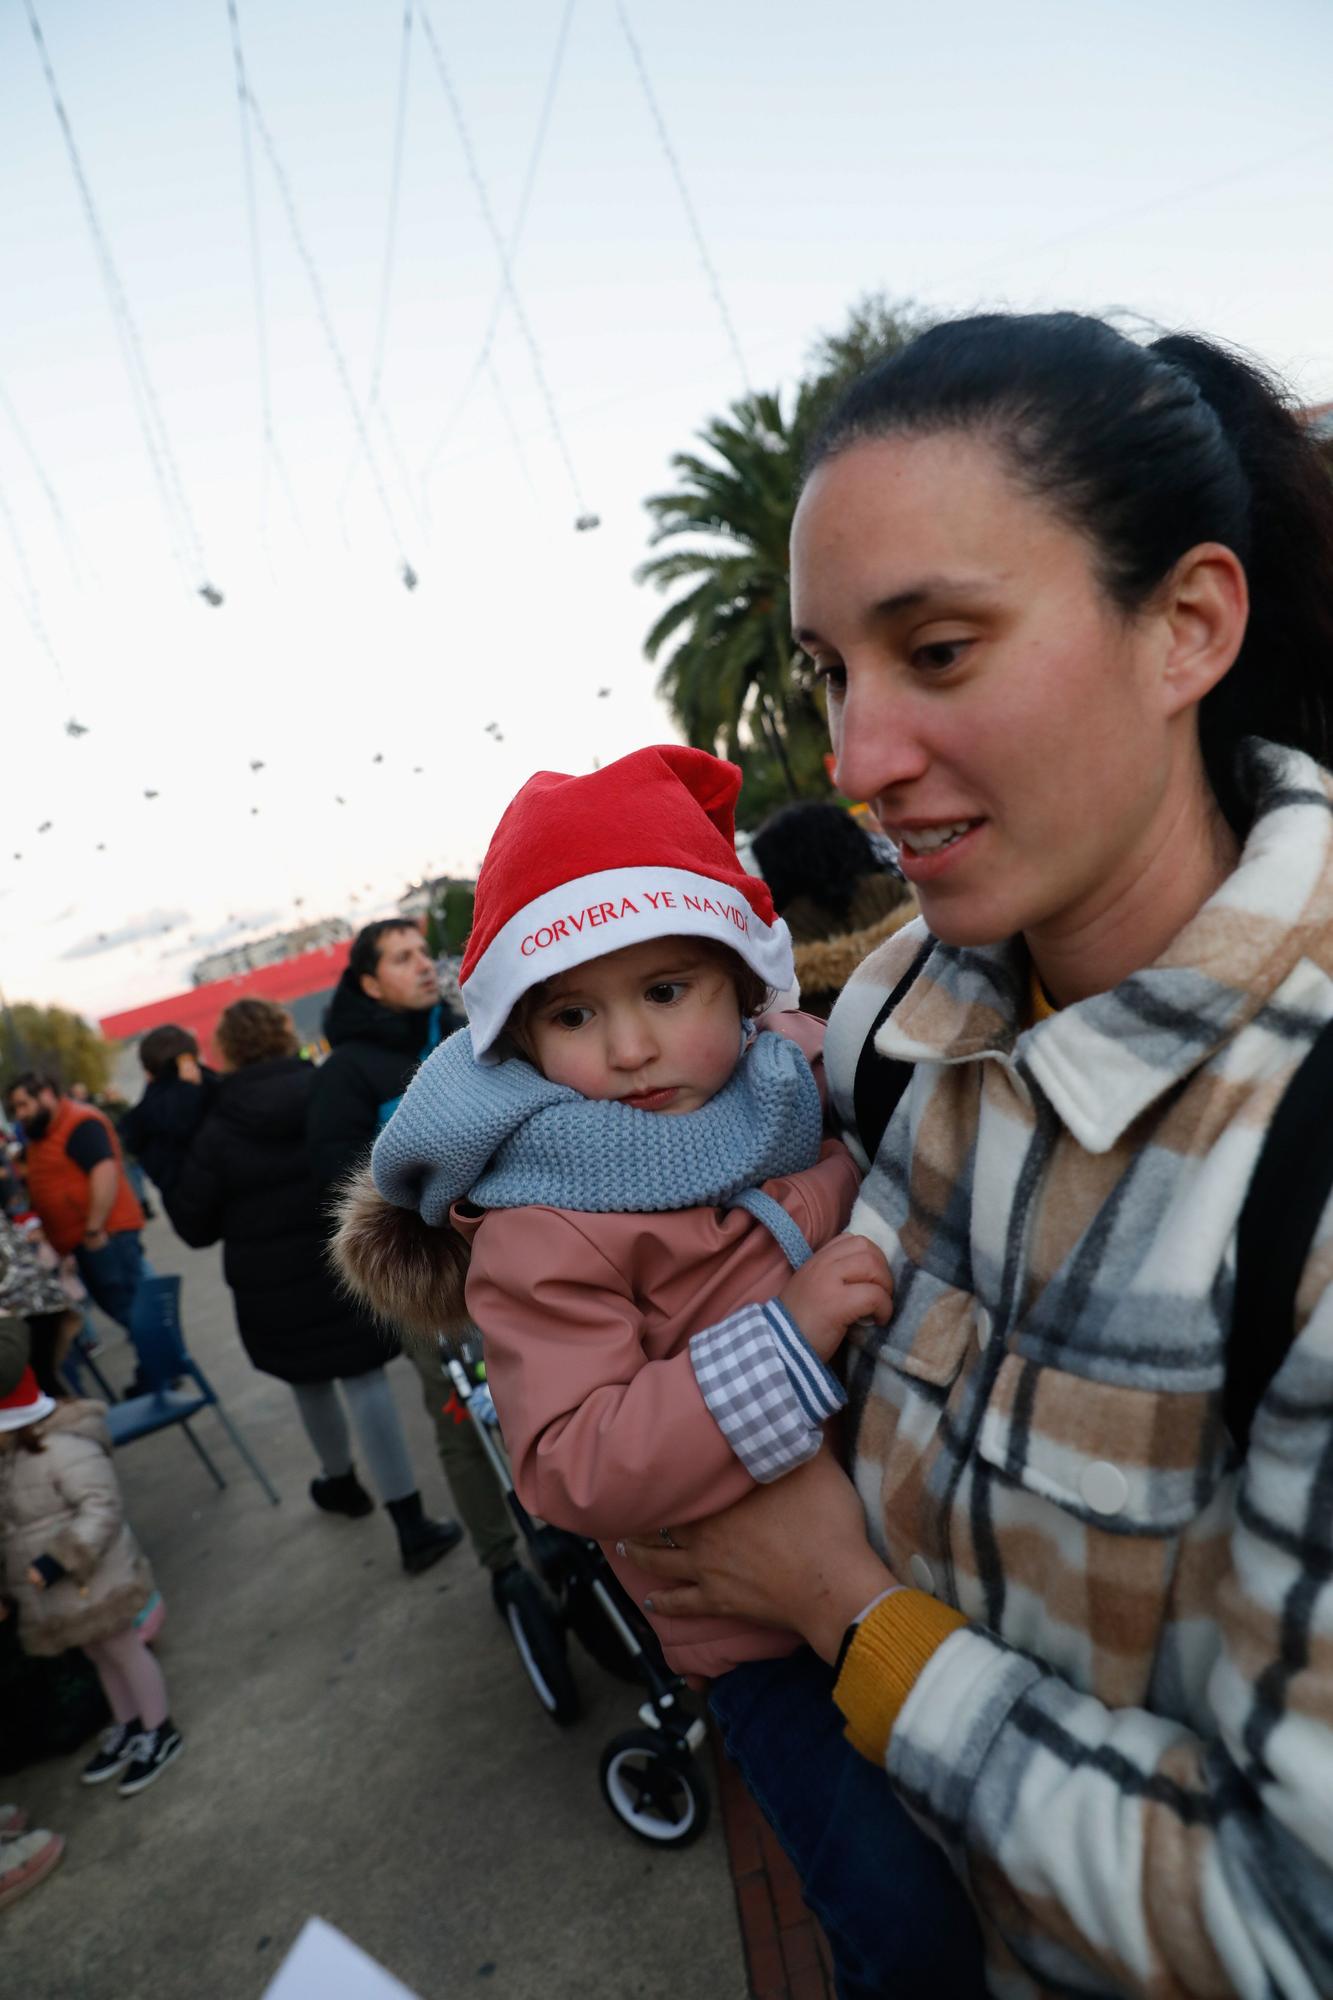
x: 152, y: 425
x: 374, y: 407
x: 32, y: 607
x: 74, y: 556
x: 316, y: 283
x: 711, y: 278
x: 585, y: 519
x: 482, y: 364
x: 273, y: 460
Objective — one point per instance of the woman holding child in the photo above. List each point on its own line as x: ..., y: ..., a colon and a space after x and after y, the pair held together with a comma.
x: 1072, y: 600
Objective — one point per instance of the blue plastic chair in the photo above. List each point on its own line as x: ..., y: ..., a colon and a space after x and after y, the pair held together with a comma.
x: 79, y: 1357
x: 164, y: 1364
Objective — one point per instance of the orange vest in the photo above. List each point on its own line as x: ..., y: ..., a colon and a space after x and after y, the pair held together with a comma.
x: 59, y: 1190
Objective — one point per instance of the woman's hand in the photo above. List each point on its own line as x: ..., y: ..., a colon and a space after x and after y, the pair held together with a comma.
x: 35, y: 1577
x: 792, y: 1554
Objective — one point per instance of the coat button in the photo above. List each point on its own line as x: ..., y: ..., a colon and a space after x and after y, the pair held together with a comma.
x: 922, y: 1574
x: 1104, y: 1487
x: 984, y: 1327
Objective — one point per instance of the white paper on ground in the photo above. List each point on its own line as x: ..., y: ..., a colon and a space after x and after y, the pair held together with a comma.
x: 324, y: 1965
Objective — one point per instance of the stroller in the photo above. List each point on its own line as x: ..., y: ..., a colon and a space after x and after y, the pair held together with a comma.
x: 649, y: 1777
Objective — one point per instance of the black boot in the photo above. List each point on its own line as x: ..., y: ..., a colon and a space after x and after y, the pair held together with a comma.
x: 507, y: 1582
x: 343, y: 1494
x: 421, y: 1540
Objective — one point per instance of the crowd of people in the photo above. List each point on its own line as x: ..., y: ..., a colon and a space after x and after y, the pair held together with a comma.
x: 916, y: 1368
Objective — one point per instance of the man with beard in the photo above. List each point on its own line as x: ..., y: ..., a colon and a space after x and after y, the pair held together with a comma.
x: 79, y: 1189
x: 385, y: 1017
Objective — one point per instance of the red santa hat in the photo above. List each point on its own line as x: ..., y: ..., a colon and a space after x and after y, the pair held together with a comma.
x: 27, y: 1404
x: 579, y: 867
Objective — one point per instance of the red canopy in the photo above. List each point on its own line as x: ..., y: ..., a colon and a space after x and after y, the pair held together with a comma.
x: 198, y: 1007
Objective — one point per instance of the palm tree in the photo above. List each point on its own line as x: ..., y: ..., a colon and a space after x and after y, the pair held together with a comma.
x: 732, y: 659
x: 731, y: 675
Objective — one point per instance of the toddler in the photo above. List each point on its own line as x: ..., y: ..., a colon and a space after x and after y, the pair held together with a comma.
x: 77, y: 1575
x: 631, y: 1149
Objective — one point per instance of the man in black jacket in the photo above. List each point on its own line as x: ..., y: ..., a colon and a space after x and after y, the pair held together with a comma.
x: 385, y: 1017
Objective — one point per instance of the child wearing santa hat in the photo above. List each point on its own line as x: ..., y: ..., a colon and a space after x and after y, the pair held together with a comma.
x: 621, y: 1161
x: 76, y: 1574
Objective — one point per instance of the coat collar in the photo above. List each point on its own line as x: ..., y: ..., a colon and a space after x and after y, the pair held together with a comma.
x: 1104, y: 1061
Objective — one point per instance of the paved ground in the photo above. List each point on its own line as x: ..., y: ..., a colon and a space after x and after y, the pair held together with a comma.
x: 361, y: 1746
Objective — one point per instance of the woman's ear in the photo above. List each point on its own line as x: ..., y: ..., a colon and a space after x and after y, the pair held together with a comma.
x: 1205, y: 603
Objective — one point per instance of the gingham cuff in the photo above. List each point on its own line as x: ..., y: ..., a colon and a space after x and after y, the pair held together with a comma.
x: 766, y: 1388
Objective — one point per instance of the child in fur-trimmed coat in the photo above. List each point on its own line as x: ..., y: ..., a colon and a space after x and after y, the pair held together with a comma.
x: 624, y: 1152
x: 75, y: 1574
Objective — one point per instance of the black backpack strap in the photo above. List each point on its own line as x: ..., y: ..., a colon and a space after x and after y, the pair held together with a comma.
x: 1288, y: 1192
x: 879, y: 1080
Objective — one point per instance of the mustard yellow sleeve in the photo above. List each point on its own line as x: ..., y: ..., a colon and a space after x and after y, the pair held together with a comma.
x: 892, y: 1645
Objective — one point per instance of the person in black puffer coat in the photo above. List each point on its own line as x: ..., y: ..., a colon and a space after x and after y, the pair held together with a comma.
x: 247, y: 1180
x: 385, y: 1017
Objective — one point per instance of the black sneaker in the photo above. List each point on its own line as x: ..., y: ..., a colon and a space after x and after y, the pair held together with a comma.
x: 342, y: 1495
x: 153, y: 1750
x: 115, y: 1748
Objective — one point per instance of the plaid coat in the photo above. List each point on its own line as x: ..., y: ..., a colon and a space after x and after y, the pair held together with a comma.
x: 1128, y: 1750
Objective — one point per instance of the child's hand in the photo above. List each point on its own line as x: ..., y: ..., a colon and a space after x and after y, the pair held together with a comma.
x: 847, y: 1280
x: 38, y: 1581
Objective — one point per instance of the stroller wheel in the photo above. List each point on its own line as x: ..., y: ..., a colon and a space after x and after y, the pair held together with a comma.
x: 540, y: 1642
x: 654, y: 1789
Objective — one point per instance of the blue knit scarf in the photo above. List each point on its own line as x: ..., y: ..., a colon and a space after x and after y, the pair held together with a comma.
x: 503, y: 1137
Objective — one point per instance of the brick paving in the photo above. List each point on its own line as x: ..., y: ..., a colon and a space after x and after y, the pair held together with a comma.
x: 786, y: 1952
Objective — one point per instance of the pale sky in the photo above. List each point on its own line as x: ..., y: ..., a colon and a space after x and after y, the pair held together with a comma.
x: 1171, y: 160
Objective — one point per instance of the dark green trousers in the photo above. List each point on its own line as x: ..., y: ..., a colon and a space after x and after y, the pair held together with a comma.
x: 481, y: 1505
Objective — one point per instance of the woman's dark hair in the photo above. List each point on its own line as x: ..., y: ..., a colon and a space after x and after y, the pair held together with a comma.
x: 252, y: 1031
x: 29, y: 1439
x: 1147, y: 451
x: 813, y: 848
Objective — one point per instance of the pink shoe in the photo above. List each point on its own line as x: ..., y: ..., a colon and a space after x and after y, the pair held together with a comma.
x: 27, y: 1861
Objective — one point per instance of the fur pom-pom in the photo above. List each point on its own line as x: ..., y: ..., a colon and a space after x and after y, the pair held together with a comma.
x: 410, y: 1275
